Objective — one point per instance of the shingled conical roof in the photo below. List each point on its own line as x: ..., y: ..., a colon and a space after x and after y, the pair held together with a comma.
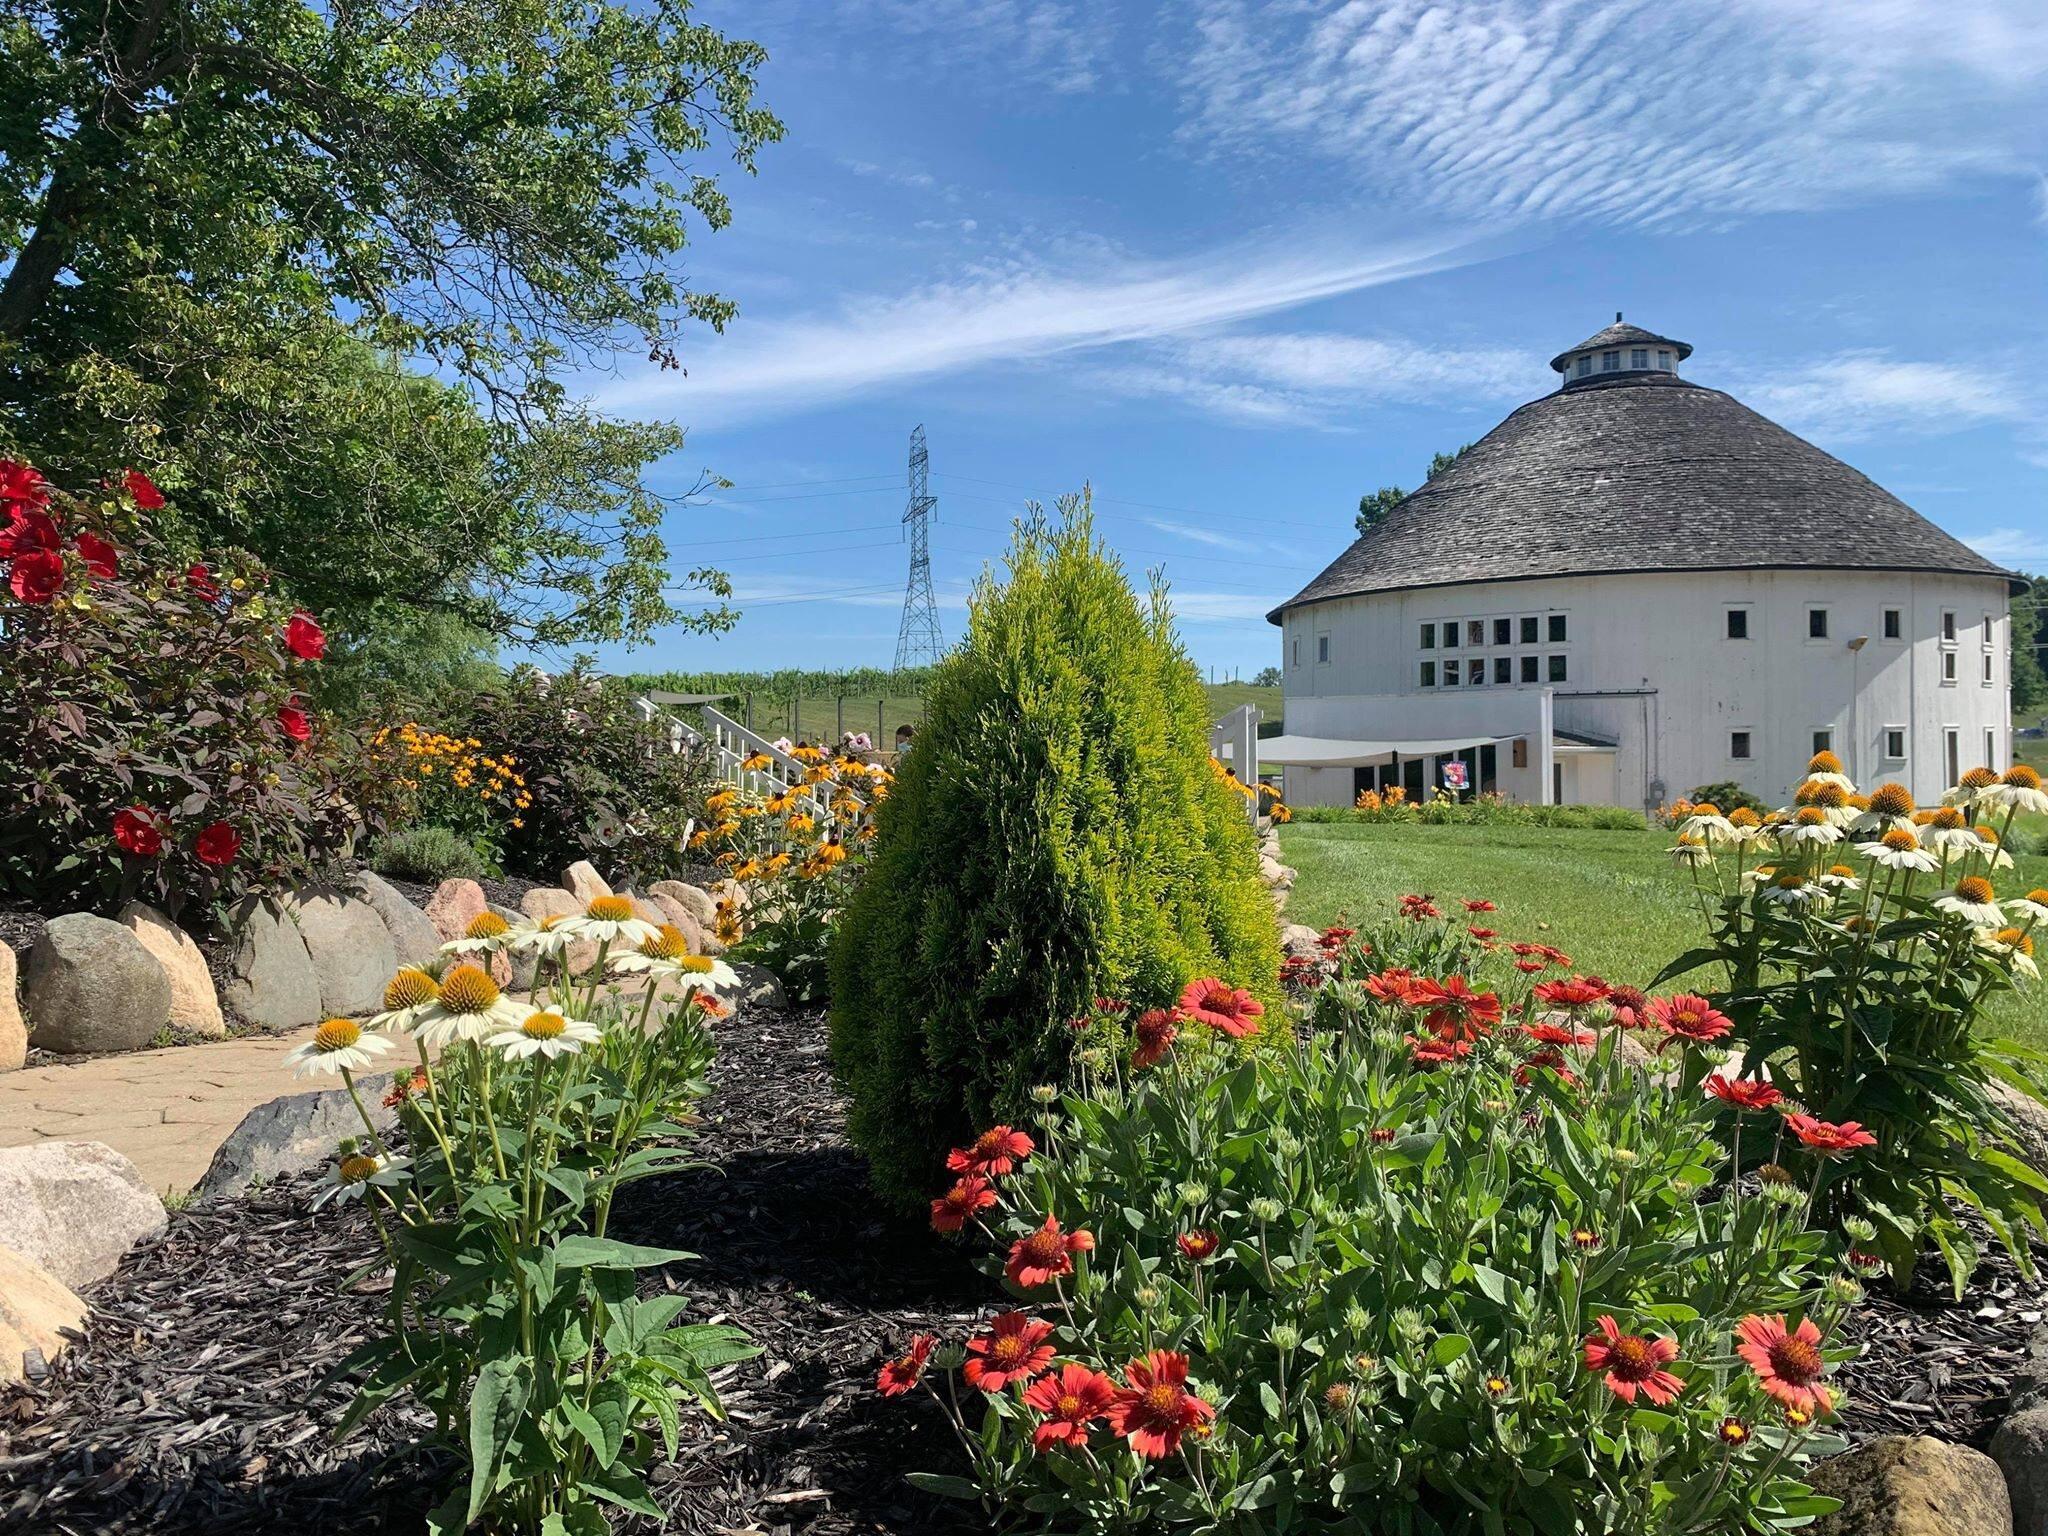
x: 1638, y: 472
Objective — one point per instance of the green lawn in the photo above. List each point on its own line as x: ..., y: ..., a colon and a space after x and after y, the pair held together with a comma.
x: 1609, y: 899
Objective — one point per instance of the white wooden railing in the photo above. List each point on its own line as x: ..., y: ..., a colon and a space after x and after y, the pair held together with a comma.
x: 733, y: 745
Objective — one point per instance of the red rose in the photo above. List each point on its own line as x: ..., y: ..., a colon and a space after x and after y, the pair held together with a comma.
x: 101, y: 558
x: 201, y: 581
x: 304, y: 638
x: 38, y: 576
x: 217, y: 845
x: 144, y: 490
x: 139, y: 831
x: 294, y: 722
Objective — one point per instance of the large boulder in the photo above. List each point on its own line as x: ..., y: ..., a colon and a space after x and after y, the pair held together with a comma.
x: 13, y: 1031
x: 2021, y: 1450
x: 520, y: 965
x: 414, y: 938
x: 1911, y: 1485
x: 37, y: 1312
x: 582, y: 881
x: 758, y: 987
x: 274, y: 982
x: 195, y: 1006
x: 690, y: 898
x: 681, y: 918
x: 351, y: 951
x: 74, y: 1207
x: 91, y: 986
x: 295, y: 1133
x: 1300, y: 939
x: 454, y: 905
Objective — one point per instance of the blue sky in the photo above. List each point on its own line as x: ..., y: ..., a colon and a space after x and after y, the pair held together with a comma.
x: 1235, y: 264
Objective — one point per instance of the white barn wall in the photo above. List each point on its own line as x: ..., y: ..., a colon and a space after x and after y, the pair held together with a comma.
x: 1650, y: 667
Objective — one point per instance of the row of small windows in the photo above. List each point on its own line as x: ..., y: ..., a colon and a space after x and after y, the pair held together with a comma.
x: 1550, y: 627
x: 1506, y: 670
x: 1892, y: 623
x: 1741, y: 747
x: 1610, y: 362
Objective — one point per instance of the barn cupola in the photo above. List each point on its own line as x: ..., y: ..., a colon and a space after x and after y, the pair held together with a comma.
x: 1619, y: 351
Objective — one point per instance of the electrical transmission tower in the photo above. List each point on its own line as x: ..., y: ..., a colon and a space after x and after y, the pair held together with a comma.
x: 918, y: 641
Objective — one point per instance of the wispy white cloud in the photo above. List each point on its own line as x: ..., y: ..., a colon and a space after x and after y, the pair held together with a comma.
x: 1015, y: 312
x: 1631, y: 111
x: 1861, y: 394
x: 1009, y: 46
x: 2013, y: 547
x: 1199, y: 535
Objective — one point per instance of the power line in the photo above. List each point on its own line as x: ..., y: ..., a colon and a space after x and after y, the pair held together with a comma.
x: 919, y: 642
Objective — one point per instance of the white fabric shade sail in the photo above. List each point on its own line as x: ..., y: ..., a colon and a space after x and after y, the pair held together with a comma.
x: 1326, y: 752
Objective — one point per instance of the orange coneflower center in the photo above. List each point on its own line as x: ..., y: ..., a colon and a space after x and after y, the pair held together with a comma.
x: 1900, y: 840
x: 1796, y: 1360
x: 1791, y: 882
x: 337, y: 1035
x: 1948, y: 818
x: 1824, y: 762
x: 1842, y: 870
x: 544, y: 1026
x: 485, y: 925
x: 1811, y: 816
x: 1706, y: 808
x: 1631, y: 1358
x: 1974, y: 888
x: 1986, y: 835
x: 2014, y: 938
x: 410, y: 988
x: 667, y: 944
x: 1891, y: 800
x: 609, y: 909
x: 1980, y: 778
x: 2020, y: 776
x: 2038, y: 897
x: 356, y: 1168
x: 468, y: 989
x: 1830, y: 795
x: 1743, y: 816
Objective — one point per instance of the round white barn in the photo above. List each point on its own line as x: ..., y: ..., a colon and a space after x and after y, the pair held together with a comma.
x: 1633, y: 586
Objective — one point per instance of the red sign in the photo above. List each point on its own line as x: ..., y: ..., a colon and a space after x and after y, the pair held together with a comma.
x: 1455, y: 775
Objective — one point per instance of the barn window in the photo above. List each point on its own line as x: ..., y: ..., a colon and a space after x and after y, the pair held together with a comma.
x: 1528, y: 669
x: 1738, y: 623
x: 1816, y: 623
x: 1894, y: 624
x: 1895, y: 743
x: 1738, y: 744
x: 1557, y: 629
x: 1948, y: 628
x: 1322, y: 649
x: 1585, y: 364
x: 1557, y: 669
x: 1503, y: 669
x: 1428, y: 674
x: 1948, y: 666
x: 1823, y: 740
x: 1609, y: 361
x: 1529, y: 629
x: 1503, y: 631
x: 1429, y: 637
x: 1450, y: 674
x: 1663, y: 359
x: 1639, y: 357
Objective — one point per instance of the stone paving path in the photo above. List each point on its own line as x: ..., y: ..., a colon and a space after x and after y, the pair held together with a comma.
x: 165, y: 1110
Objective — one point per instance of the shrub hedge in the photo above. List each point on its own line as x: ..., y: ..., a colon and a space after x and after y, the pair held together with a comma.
x: 1058, y: 832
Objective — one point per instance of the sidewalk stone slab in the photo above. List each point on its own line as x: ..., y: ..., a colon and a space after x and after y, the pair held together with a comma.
x: 36, y: 1309
x: 413, y: 935
x: 91, y: 986
x: 275, y: 985
x: 13, y: 1032
x: 351, y: 951
x: 74, y: 1207
x: 194, y: 1004
x: 293, y: 1134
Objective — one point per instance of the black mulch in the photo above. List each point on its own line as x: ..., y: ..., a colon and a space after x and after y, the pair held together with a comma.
x: 189, y: 1409
x: 19, y: 931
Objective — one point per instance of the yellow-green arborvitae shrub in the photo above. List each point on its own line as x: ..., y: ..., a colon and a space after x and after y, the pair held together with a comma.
x: 1056, y: 832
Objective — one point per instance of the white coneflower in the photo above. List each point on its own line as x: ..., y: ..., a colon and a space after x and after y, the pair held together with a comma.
x: 668, y: 954
x: 546, y: 937
x: 610, y: 920
x: 1952, y: 840
x: 1760, y: 875
x: 2019, y: 789
x: 358, y: 1171
x: 408, y: 995
x: 2014, y: 943
x: 1839, y: 877
x: 470, y: 1007
x: 1809, y: 825
x: 1967, y: 790
x: 1900, y: 849
x: 2033, y: 905
x: 1973, y: 898
x: 338, y: 1045
x: 1889, y: 806
x: 1989, y: 849
x: 1689, y: 852
x: 1826, y: 768
x: 1794, y: 891
x: 547, y: 1035
x: 1706, y: 824
x: 486, y: 934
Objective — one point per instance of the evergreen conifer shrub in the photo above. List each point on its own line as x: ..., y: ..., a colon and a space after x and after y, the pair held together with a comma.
x: 1056, y: 833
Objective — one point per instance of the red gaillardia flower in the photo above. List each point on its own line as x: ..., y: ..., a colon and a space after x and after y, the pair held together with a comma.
x: 139, y: 831
x: 995, y: 1151
x: 144, y: 491
x: 1435, y: 1051
x: 1071, y: 1398
x: 1631, y: 1363
x: 294, y: 722
x: 1046, y: 1255
x: 1827, y: 1138
x: 217, y: 844
x: 958, y: 1205
x: 1454, y: 1011
x: 1221, y: 1006
x: 101, y: 558
x: 1200, y: 1244
x: 1742, y: 1092
x: 1391, y: 985
x: 1573, y: 992
x: 1629, y: 1006
x: 1557, y: 1034
x: 1155, y: 1031
x: 904, y: 1372
x: 1787, y: 1363
x: 1156, y: 1409
x: 1013, y: 1349
x: 304, y: 638
x: 1480, y: 906
x: 1689, y: 1017
x: 37, y: 577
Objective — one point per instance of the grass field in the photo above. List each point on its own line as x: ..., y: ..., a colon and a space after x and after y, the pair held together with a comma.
x: 1609, y: 899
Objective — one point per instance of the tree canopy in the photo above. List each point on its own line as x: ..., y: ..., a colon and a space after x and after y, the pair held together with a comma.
x: 324, y: 268
x: 1374, y: 505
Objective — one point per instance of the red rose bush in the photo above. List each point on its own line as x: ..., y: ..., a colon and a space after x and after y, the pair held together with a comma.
x: 1436, y: 1245
x: 155, y: 712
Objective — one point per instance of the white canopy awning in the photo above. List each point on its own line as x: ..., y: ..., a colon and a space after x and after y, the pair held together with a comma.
x: 1325, y: 752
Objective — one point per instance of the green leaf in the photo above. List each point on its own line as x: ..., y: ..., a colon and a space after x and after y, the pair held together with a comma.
x: 944, y: 1487
x: 496, y: 1405
x: 580, y: 1252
